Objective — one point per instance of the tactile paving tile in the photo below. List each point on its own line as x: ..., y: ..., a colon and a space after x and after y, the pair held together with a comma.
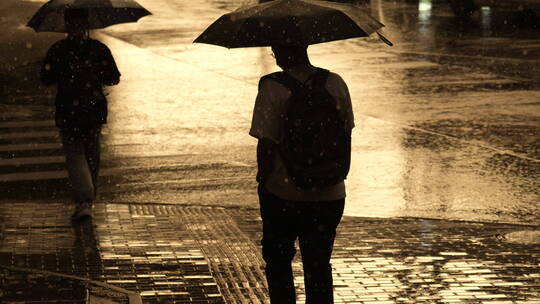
x: 183, y: 254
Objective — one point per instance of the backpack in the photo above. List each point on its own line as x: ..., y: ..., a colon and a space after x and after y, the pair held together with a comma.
x: 315, y: 147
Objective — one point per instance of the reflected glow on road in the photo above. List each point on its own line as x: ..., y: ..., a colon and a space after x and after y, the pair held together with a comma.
x: 421, y: 127
x: 486, y: 21
x: 375, y: 182
x: 424, y: 6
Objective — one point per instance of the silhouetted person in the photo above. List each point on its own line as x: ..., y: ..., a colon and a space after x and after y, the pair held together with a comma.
x: 80, y: 66
x: 300, y: 174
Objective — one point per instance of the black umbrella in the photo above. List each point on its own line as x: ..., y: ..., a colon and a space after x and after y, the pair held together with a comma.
x: 294, y: 22
x: 101, y: 13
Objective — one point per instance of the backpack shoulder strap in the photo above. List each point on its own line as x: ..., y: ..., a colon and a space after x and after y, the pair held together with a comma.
x: 320, y: 77
x: 285, y: 79
x: 269, y: 76
x: 293, y: 84
x: 289, y: 81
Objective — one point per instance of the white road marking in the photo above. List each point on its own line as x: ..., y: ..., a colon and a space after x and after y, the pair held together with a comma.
x: 29, y: 135
x: 61, y: 174
x: 27, y: 123
x: 19, y: 161
x: 30, y: 147
x: 195, y: 180
x: 27, y: 176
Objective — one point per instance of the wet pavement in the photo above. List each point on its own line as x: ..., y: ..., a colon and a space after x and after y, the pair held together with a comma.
x: 443, y: 193
x: 433, y: 136
x: 193, y: 254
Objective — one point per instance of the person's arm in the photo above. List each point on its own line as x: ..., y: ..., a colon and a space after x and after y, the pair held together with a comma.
x: 348, y: 147
x: 49, y: 69
x: 266, y: 150
x: 345, y: 106
x: 265, y: 127
x: 109, y: 73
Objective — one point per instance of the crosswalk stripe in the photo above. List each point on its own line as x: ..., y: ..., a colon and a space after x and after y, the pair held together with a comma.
x: 29, y: 135
x: 484, y: 82
x: 50, y: 175
x: 30, y: 147
x: 188, y: 181
x: 60, y: 174
x: 27, y: 176
x: 19, y: 161
x: 27, y: 123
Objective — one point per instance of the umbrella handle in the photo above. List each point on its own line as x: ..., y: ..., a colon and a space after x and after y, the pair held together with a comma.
x: 384, y: 39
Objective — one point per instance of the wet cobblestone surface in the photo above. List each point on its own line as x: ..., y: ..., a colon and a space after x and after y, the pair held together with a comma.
x: 187, y: 254
x: 22, y: 287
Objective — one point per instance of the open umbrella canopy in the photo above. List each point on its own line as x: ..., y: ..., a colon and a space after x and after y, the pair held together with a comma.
x: 294, y: 22
x: 101, y: 13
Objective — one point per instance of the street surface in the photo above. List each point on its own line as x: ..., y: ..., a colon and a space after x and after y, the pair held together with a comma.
x: 443, y: 195
x: 447, y: 120
x: 191, y: 254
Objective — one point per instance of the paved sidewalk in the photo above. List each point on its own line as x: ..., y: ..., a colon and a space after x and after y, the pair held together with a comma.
x: 191, y: 254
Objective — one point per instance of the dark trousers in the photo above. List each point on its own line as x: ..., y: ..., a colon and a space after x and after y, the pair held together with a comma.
x: 314, y: 224
x: 82, y: 153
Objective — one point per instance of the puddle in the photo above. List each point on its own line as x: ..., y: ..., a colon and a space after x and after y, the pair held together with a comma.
x: 527, y: 237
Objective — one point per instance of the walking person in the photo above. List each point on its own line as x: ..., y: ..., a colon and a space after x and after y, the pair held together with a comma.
x: 80, y: 67
x: 303, y: 120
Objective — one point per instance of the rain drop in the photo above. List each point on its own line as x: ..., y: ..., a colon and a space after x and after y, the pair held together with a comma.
x: 29, y: 45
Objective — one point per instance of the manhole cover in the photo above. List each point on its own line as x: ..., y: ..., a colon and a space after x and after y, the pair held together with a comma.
x: 523, y: 237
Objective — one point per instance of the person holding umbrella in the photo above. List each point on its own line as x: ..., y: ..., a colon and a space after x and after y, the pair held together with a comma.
x: 80, y: 67
x: 303, y: 120
x: 292, y: 206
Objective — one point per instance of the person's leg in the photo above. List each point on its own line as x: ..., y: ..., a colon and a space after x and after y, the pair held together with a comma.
x: 317, y: 235
x: 78, y: 170
x: 279, y: 235
x: 92, y: 151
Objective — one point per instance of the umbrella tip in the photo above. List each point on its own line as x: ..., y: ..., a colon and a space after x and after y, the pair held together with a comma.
x: 384, y: 39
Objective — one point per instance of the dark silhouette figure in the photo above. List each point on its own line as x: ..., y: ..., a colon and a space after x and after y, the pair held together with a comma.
x: 291, y: 208
x: 80, y: 66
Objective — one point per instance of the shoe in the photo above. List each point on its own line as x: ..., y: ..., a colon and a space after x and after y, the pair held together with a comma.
x: 82, y: 211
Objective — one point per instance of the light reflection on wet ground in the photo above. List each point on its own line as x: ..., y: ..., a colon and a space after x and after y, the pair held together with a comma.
x: 402, y: 171
x: 431, y: 139
x: 178, y: 253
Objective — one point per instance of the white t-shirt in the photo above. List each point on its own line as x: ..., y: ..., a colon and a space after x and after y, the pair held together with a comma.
x: 270, y: 107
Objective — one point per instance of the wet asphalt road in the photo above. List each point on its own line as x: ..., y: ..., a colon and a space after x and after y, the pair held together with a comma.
x: 447, y: 120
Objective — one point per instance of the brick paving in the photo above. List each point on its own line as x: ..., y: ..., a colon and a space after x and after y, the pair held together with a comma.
x: 188, y: 254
